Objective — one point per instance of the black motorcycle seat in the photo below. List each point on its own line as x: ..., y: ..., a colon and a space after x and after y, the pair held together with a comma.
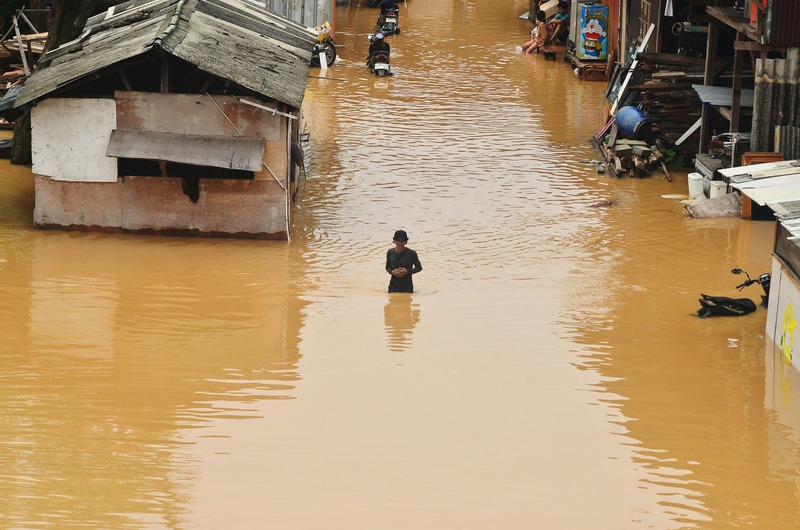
x: 727, y: 305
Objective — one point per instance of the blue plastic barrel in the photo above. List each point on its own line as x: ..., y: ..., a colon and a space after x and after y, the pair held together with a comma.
x: 634, y: 125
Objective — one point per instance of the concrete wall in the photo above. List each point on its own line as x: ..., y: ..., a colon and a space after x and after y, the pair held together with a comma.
x: 157, y: 205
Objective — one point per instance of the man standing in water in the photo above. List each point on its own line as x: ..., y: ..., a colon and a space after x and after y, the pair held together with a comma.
x: 401, y: 263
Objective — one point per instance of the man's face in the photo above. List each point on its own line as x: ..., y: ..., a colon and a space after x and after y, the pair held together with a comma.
x: 400, y: 243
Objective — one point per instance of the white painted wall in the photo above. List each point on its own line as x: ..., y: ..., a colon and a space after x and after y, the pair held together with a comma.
x: 69, y: 138
x: 783, y: 313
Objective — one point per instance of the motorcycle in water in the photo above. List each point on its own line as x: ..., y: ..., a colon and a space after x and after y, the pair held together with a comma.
x: 725, y: 306
x: 324, y: 46
x: 390, y: 14
x: 379, y: 52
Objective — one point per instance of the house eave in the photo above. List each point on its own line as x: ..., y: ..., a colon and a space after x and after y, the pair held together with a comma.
x: 230, y: 39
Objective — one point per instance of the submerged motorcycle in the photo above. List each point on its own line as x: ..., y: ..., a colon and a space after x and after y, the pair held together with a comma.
x: 725, y: 306
x: 388, y: 19
x: 324, y: 46
x: 379, y: 51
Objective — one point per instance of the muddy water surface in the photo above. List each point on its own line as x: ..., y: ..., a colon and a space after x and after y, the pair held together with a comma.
x: 546, y: 373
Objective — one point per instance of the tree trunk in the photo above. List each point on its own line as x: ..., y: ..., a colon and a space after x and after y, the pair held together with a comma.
x: 66, y: 22
x: 67, y: 19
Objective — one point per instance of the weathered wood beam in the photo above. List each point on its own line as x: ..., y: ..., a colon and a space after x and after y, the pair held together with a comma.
x: 705, y: 116
x: 671, y: 58
x: 728, y: 16
x: 737, y: 88
x: 750, y: 46
x: 666, y: 87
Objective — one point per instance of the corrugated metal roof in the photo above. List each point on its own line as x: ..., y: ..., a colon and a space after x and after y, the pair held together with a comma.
x: 718, y: 95
x: 774, y: 184
x: 782, y: 17
x: 749, y: 176
x: 232, y: 39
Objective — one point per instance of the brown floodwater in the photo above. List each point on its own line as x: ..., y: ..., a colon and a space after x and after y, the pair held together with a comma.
x: 547, y: 372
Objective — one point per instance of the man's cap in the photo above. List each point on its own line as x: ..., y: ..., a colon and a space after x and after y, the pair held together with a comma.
x: 401, y: 235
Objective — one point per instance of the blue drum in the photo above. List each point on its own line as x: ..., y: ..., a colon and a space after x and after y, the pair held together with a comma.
x: 634, y: 125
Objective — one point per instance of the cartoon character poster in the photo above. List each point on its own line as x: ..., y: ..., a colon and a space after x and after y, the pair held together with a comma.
x: 593, y: 39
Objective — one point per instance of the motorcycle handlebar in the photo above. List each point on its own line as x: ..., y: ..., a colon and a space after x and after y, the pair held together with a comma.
x: 747, y: 284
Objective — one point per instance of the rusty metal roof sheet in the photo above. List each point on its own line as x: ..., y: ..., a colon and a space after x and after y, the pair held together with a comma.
x: 232, y: 39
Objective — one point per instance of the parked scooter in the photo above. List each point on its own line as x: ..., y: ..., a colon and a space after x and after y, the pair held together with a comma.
x: 725, y: 306
x: 379, y: 52
x: 324, y: 46
x: 388, y: 19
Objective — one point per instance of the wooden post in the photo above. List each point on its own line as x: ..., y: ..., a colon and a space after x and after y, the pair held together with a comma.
x: 736, y: 98
x: 708, y: 80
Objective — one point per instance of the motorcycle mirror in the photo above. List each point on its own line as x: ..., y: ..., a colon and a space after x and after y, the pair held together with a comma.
x: 736, y: 271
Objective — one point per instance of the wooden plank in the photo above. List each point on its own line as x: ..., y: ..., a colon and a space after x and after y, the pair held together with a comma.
x: 612, y: 135
x: 60, y: 152
x: 650, y: 86
x: 627, y: 80
x: 751, y: 46
x: 689, y: 132
x: 728, y: 16
x: 623, y: 150
x: 736, y: 96
x: 233, y: 152
x: 671, y: 58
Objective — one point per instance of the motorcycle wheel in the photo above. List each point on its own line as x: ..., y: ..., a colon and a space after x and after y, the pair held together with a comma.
x: 381, y: 73
x: 330, y: 52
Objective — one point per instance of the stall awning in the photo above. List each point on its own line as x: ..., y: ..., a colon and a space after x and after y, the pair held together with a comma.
x: 244, y: 153
x: 723, y: 96
x: 774, y: 184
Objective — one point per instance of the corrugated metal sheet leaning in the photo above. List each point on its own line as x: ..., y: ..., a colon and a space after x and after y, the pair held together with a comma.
x: 776, y: 100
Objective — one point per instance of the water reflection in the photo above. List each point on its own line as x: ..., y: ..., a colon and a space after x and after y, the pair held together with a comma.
x: 115, y: 348
x: 400, y: 316
x: 697, y: 430
x: 782, y: 402
x: 189, y: 383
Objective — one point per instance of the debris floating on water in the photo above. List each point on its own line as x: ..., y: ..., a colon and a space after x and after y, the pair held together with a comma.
x: 605, y: 203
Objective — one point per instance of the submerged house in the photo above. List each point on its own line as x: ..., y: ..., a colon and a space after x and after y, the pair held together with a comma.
x: 170, y: 117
